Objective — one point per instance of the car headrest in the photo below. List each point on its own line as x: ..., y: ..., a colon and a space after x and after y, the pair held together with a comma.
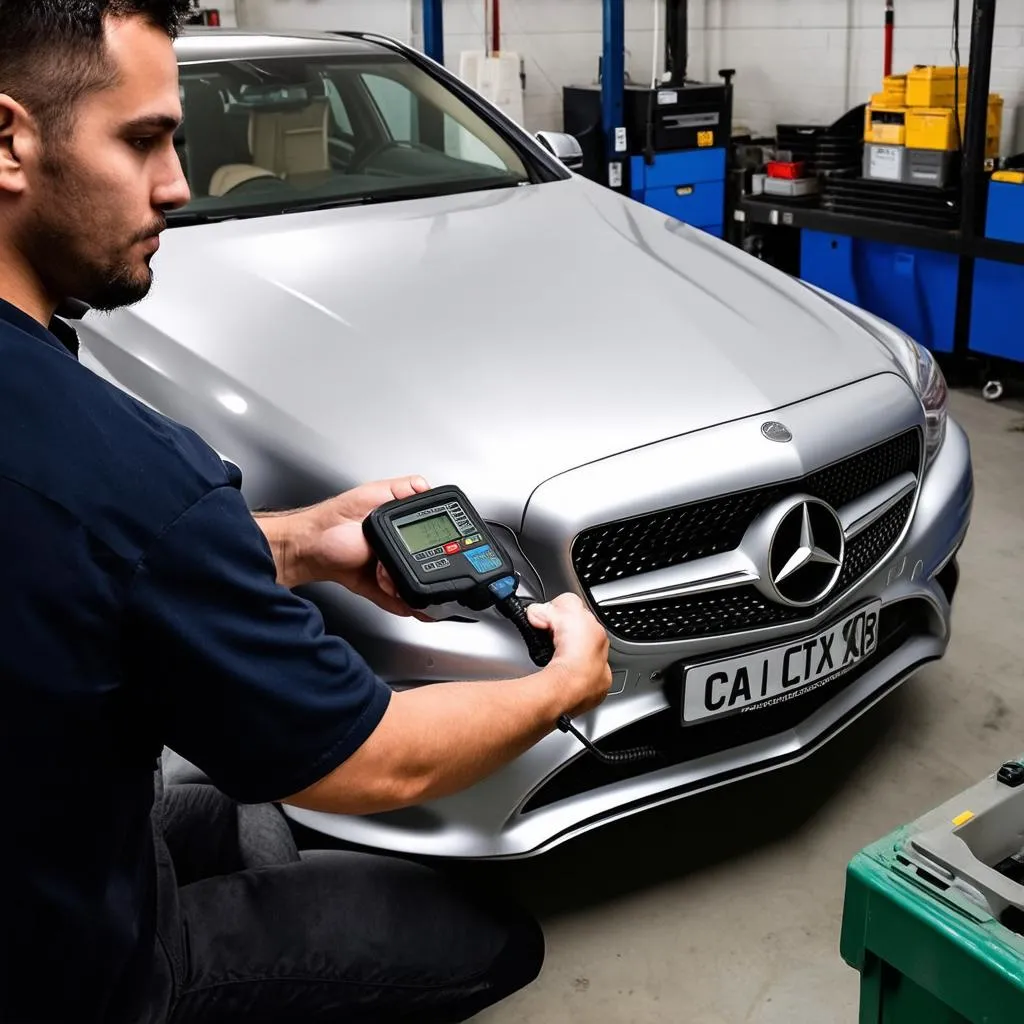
x: 291, y: 140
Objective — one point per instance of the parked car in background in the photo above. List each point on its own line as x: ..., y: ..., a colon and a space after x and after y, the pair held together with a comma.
x: 755, y: 486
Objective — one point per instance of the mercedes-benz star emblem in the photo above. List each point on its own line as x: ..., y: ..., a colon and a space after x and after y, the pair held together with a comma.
x: 806, y: 552
x: 776, y: 431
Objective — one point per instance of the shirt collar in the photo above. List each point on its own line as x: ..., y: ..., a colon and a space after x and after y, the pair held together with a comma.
x: 60, y: 334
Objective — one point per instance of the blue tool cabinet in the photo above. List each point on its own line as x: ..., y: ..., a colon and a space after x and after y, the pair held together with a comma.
x: 997, y: 324
x: 688, y: 185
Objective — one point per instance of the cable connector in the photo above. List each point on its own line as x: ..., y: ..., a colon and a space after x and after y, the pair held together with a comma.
x: 504, y: 588
x: 541, y: 648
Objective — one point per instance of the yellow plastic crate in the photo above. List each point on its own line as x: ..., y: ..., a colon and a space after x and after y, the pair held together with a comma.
x: 885, y: 125
x: 887, y: 101
x: 932, y: 86
x: 931, y: 128
x: 935, y: 127
x: 894, y: 89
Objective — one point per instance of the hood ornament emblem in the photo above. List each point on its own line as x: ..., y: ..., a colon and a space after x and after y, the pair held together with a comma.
x: 806, y: 553
x: 775, y: 431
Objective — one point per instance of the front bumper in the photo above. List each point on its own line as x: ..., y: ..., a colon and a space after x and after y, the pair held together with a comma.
x: 502, y: 816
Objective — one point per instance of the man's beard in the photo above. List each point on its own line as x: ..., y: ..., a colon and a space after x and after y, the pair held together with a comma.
x: 58, y: 253
x: 67, y: 273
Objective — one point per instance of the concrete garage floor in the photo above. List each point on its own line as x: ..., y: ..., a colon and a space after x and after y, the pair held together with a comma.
x: 725, y: 908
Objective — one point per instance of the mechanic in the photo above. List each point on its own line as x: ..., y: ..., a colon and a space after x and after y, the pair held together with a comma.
x: 143, y: 607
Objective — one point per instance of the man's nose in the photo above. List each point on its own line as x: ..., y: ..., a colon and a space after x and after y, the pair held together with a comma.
x: 174, y: 192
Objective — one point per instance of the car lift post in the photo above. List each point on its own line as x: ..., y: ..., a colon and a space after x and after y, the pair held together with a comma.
x: 433, y: 29
x: 613, y: 71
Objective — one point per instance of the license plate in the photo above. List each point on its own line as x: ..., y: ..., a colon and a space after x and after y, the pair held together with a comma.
x: 770, y: 677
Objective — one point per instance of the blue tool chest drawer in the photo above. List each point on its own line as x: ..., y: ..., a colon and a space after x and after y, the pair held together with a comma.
x: 688, y: 185
x: 699, y: 204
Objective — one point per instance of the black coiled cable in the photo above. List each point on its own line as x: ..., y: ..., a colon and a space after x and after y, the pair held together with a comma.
x: 541, y: 649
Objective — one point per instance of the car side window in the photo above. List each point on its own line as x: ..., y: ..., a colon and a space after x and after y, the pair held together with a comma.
x: 341, y: 126
x: 460, y: 143
x: 398, y: 107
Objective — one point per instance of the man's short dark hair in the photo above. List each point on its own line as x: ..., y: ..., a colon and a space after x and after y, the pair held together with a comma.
x: 52, y: 52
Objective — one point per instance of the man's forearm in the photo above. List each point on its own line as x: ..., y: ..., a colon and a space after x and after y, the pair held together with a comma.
x: 439, y: 739
x: 285, y: 533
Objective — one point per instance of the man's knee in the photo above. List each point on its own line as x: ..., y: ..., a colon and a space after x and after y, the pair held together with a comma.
x: 520, y: 962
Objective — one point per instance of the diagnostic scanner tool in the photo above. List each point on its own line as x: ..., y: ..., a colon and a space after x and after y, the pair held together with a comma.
x: 437, y: 549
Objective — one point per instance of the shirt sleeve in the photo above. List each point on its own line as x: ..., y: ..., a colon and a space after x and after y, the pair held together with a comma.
x: 241, y: 675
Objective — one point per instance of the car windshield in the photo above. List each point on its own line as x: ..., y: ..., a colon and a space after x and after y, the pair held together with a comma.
x: 286, y: 133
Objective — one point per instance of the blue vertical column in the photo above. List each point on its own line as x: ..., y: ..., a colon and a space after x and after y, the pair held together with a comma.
x: 433, y: 29
x: 612, y: 94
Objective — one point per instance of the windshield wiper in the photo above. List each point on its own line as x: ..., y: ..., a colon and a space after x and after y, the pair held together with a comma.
x: 393, y: 195
x: 187, y: 219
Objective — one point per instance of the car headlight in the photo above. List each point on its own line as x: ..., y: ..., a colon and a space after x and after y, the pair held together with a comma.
x: 917, y: 362
x: 931, y: 384
x: 928, y: 379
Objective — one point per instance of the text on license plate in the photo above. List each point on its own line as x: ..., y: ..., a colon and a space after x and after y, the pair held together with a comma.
x: 769, y: 677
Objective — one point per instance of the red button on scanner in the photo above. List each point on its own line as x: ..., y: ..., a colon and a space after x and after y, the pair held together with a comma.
x: 452, y: 549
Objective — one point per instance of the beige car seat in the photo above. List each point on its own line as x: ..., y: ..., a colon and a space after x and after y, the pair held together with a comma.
x: 292, y: 143
x: 232, y: 175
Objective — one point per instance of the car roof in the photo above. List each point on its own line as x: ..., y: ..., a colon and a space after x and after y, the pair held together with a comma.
x: 202, y: 44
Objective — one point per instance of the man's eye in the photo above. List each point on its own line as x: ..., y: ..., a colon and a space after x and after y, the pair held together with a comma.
x: 143, y: 143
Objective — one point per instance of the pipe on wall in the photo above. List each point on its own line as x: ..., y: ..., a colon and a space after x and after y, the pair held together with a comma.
x: 890, y: 28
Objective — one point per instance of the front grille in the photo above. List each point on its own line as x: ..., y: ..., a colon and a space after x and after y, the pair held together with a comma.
x: 678, y: 744
x: 740, y: 608
x: 688, y: 532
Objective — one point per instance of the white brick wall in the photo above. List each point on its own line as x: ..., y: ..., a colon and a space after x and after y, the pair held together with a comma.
x: 389, y: 17
x: 796, y: 60
x: 560, y: 40
x: 811, y: 60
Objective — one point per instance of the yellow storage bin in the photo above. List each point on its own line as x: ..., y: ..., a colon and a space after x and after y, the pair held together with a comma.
x: 894, y: 89
x: 887, y: 101
x: 931, y: 128
x: 935, y: 127
x: 932, y: 86
x: 885, y: 125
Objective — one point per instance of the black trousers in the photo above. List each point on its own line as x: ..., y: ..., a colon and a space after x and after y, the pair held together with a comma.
x: 333, y: 936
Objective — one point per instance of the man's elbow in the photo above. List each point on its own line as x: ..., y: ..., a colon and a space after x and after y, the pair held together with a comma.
x: 357, y: 792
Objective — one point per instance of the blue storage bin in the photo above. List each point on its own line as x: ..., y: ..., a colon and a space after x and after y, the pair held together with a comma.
x: 915, y: 289
x: 1004, y: 219
x: 995, y: 309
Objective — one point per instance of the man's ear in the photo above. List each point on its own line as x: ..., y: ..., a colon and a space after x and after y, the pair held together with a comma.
x: 18, y: 140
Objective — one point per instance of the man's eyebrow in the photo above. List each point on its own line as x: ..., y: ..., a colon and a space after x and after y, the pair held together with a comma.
x: 152, y: 122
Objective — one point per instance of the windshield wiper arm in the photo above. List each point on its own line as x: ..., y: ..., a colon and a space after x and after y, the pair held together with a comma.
x: 187, y: 219
x: 397, y: 194
x: 181, y: 220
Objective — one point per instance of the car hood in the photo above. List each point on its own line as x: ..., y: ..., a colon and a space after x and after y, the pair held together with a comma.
x: 494, y: 339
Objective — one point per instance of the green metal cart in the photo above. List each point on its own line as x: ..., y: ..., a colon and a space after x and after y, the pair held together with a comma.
x: 934, y: 913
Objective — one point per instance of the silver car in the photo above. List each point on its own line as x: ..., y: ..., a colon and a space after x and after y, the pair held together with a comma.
x: 755, y: 486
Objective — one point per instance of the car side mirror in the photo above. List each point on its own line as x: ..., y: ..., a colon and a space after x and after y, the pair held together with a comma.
x: 565, y: 147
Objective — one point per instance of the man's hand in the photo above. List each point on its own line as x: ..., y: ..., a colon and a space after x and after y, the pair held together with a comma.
x: 325, y: 543
x: 581, y: 651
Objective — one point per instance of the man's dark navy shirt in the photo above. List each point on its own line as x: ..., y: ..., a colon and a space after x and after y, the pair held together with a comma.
x: 139, y: 609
